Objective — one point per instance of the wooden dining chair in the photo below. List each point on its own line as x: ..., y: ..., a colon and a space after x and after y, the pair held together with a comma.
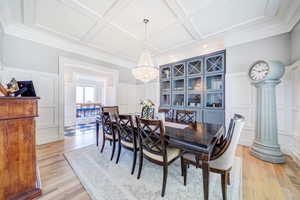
x: 223, y: 154
x: 186, y: 116
x: 110, y: 109
x: 168, y: 114
x: 127, y: 137
x: 148, y: 113
x: 153, y: 146
x: 109, y: 129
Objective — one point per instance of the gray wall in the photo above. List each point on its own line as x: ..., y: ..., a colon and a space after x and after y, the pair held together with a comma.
x: 29, y: 55
x: 240, y: 57
x: 295, y: 43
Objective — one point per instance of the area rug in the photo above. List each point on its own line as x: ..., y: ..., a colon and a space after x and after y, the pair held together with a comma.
x: 104, y: 180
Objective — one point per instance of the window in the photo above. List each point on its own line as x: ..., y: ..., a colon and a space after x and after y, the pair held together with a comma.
x: 85, y: 94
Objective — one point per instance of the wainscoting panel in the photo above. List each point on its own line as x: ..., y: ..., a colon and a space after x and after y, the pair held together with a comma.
x: 46, y: 86
x: 127, y: 98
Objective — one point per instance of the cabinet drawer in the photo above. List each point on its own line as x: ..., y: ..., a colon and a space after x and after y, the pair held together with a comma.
x: 15, y: 108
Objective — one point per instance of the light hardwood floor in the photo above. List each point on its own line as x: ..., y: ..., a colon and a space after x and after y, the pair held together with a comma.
x: 261, y: 180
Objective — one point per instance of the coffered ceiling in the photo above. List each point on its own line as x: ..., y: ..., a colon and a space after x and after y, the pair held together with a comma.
x: 115, y: 26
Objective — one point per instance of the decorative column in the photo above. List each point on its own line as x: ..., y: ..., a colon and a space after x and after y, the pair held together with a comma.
x: 265, y: 76
x: 265, y: 145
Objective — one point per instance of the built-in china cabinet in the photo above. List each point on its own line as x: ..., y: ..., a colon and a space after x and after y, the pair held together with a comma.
x: 196, y: 84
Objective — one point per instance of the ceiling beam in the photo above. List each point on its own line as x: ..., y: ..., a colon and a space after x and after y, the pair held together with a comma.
x: 179, y: 12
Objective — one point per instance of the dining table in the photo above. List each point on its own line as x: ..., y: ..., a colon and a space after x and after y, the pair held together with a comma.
x: 197, y: 138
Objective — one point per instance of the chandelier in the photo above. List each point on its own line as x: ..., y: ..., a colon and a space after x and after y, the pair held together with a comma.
x: 145, y: 70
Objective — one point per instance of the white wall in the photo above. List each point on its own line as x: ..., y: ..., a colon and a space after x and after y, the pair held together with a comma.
x: 295, y: 43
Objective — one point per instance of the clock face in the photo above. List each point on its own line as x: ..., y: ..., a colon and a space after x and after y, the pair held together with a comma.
x: 259, y: 71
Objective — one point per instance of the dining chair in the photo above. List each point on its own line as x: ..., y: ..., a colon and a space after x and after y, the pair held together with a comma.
x: 168, y: 114
x: 153, y: 146
x: 186, y: 116
x: 148, y: 113
x: 109, y: 129
x: 127, y: 137
x: 223, y: 154
x: 113, y: 110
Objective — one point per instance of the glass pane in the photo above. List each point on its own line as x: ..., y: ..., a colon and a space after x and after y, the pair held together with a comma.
x: 165, y: 86
x: 214, y: 82
x: 178, y: 85
x: 178, y: 70
x: 165, y: 99
x: 89, y: 95
x: 165, y: 73
x: 194, y: 100
x: 178, y: 100
x: 79, y: 94
x: 195, y: 67
x: 214, y: 100
x: 195, y: 84
x: 214, y: 64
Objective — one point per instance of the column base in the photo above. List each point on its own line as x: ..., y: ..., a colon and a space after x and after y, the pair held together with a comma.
x: 269, y: 153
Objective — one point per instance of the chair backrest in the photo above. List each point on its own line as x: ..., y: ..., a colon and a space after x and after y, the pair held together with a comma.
x: 151, y: 136
x: 110, y: 109
x: 107, y: 125
x: 186, y: 116
x: 148, y: 113
x: 224, y: 152
x: 126, y: 128
x: 168, y: 114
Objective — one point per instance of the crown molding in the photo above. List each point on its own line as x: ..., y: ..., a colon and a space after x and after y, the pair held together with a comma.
x: 24, y: 32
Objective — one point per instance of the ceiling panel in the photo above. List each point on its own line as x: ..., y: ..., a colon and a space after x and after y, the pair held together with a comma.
x: 99, y: 6
x: 192, y: 6
x: 57, y: 17
x: 173, y: 35
x: 131, y: 18
x: 227, y: 13
x: 114, y: 40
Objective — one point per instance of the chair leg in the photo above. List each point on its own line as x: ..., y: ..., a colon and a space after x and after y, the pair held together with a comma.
x: 103, y: 144
x: 119, y: 151
x: 184, y: 173
x: 164, y: 180
x: 181, y: 160
x: 134, y: 161
x: 97, y: 133
x: 113, y: 149
x: 140, y: 164
x: 224, y: 185
x: 228, y: 178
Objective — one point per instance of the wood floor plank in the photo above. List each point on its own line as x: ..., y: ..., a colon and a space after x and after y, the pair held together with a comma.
x: 261, y: 180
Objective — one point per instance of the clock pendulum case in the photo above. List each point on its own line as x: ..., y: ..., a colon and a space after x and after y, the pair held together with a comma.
x: 265, y: 76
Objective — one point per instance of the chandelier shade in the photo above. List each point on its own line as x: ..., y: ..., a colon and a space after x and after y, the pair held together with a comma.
x: 145, y: 70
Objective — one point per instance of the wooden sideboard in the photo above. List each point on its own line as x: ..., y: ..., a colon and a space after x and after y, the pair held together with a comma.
x: 19, y: 173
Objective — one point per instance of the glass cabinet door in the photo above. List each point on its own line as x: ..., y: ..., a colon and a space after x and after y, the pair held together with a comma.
x: 195, y: 84
x: 194, y: 67
x: 165, y: 73
x: 165, y: 100
x: 178, y: 70
x: 178, y: 100
x: 194, y: 100
x: 214, y: 63
x: 178, y: 85
x: 165, y: 86
x: 214, y: 82
x: 214, y: 100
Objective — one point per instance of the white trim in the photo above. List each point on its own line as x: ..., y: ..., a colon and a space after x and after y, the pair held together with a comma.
x: 65, y: 62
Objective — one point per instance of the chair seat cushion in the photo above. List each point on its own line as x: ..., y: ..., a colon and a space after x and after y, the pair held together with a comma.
x: 127, y: 144
x: 110, y: 137
x: 171, y: 154
x: 216, y: 164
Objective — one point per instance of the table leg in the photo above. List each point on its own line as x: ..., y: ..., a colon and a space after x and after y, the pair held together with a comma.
x: 205, y: 174
x: 97, y: 133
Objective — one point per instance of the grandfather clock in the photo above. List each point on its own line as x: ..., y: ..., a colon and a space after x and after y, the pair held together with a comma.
x: 265, y: 76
